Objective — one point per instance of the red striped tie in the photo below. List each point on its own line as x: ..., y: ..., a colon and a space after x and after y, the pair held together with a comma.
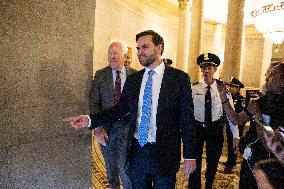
x: 117, y: 87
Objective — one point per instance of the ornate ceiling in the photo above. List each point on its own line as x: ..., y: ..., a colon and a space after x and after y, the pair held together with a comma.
x: 214, y: 10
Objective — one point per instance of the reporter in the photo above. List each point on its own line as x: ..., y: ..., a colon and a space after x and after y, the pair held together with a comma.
x: 271, y: 107
x: 269, y: 174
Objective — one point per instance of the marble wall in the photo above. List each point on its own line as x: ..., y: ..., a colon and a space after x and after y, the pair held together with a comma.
x: 45, y: 71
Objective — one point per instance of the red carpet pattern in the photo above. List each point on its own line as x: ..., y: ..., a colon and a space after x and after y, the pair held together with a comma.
x: 222, y: 181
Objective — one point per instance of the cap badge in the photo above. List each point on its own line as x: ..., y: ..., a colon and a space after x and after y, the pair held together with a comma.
x: 206, y: 57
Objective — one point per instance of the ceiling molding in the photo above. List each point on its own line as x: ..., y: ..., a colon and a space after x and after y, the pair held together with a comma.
x: 165, y: 14
x: 163, y: 6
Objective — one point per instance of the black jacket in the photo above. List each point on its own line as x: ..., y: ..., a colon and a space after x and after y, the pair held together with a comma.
x: 175, y: 118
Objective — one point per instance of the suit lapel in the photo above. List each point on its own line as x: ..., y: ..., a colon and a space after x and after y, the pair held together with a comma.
x: 136, y: 91
x: 109, y: 82
x: 165, y: 86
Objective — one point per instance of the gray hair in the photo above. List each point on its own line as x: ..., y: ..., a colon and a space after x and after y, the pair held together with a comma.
x: 123, y: 45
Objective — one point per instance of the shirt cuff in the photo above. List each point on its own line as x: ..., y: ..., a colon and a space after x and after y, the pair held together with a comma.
x: 234, y: 129
x: 90, y: 121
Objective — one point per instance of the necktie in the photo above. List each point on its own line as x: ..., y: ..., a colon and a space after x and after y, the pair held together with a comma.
x: 117, y: 87
x: 146, y: 111
x: 208, y: 106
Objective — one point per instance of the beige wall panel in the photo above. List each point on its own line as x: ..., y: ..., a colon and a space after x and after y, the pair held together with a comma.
x: 114, y: 21
x: 252, y: 63
x: 214, y: 44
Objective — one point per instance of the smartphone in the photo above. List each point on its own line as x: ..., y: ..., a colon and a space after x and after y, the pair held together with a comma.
x: 281, y: 132
x: 266, y: 128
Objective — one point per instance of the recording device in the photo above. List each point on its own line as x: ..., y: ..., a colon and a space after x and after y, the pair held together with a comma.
x: 266, y: 128
x: 281, y: 132
x: 277, y: 134
x: 253, y: 94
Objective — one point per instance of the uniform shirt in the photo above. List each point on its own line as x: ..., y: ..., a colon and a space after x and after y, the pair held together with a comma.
x: 156, y: 86
x: 122, y: 76
x: 198, y: 95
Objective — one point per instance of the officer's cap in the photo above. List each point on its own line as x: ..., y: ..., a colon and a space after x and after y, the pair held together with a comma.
x: 167, y: 61
x: 236, y: 83
x: 208, y: 59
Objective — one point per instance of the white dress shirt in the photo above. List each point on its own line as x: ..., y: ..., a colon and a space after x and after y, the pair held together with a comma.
x: 198, y: 95
x: 156, y: 86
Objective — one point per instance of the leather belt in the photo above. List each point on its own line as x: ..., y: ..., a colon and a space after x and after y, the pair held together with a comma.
x: 214, y: 123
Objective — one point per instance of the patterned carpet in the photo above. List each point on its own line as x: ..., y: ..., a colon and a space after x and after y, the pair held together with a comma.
x: 225, y: 181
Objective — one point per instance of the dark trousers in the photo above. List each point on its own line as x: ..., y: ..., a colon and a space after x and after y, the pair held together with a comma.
x: 212, y: 135
x: 232, y: 157
x: 247, y: 180
x: 144, y: 171
x: 114, y: 154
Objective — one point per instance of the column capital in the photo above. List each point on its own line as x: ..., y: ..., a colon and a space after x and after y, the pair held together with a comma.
x: 184, y: 4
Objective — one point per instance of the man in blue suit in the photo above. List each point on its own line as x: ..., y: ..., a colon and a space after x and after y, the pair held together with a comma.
x: 158, y: 102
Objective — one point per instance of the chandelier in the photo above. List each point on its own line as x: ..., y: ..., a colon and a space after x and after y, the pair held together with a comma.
x: 269, y: 19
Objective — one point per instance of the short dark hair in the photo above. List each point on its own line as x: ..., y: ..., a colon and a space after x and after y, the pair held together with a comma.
x: 273, y: 170
x: 156, y: 38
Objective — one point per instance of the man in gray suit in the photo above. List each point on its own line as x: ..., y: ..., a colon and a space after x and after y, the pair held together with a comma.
x: 105, y: 93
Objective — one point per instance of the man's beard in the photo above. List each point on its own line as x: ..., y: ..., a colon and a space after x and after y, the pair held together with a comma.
x: 149, y: 61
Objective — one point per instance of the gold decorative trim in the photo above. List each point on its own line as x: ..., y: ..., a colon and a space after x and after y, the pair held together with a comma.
x: 184, y: 4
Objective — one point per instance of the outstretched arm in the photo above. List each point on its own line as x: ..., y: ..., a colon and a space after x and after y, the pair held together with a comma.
x: 78, y: 122
x: 275, y: 143
x: 237, y: 119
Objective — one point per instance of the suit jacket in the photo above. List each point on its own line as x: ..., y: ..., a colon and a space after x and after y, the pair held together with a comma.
x: 175, y: 118
x: 102, y: 91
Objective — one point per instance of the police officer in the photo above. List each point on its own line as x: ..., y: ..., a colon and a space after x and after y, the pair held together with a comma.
x: 208, y: 113
x: 239, y: 104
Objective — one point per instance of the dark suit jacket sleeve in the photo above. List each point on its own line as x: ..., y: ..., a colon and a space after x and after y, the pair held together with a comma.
x: 94, y: 96
x: 187, y: 121
x: 118, y: 112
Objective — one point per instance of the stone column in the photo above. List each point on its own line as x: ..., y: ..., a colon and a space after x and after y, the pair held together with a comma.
x: 218, y: 47
x: 266, y: 59
x: 233, y: 41
x: 195, y: 43
x: 242, y: 54
x: 183, y: 34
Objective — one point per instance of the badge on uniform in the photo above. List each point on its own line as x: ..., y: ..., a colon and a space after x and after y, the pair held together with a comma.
x: 247, y: 153
x: 243, y: 103
x: 206, y: 57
